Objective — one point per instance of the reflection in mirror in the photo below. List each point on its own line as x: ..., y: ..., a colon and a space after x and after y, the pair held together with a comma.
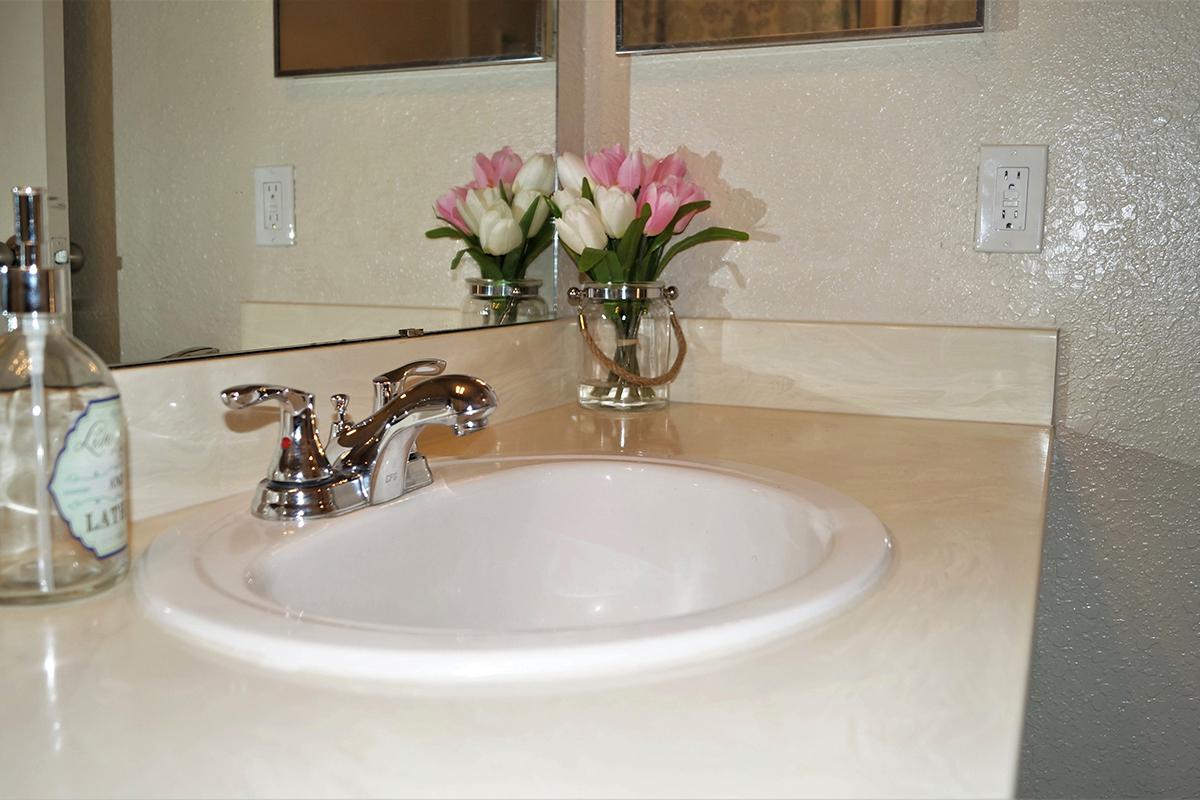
x: 323, y: 36
x: 170, y: 108
x: 659, y: 25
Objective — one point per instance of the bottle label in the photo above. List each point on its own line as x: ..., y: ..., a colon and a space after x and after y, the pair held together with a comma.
x: 88, y: 481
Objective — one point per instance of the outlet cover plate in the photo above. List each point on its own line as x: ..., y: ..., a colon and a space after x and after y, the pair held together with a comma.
x: 274, y: 206
x: 991, y: 235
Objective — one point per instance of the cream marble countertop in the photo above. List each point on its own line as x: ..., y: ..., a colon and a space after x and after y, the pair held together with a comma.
x: 917, y: 690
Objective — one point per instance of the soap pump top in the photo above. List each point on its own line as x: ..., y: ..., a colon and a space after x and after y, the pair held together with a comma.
x: 27, y: 282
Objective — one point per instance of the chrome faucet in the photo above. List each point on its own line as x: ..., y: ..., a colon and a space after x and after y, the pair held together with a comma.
x: 374, y: 460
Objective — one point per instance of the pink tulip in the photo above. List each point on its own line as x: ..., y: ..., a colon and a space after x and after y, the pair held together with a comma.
x: 687, y: 192
x: 670, y: 167
x: 663, y: 205
x: 446, y: 208
x: 612, y: 166
x: 665, y: 199
x: 605, y: 164
x: 502, y: 167
x: 631, y: 175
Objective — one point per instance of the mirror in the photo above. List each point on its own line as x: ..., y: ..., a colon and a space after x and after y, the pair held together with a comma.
x: 673, y: 25
x: 170, y: 108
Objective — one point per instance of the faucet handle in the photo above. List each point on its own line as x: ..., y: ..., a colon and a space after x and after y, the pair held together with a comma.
x: 251, y: 394
x: 341, y: 415
x: 301, y: 458
x: 395, y: 381
x: 341, y: 405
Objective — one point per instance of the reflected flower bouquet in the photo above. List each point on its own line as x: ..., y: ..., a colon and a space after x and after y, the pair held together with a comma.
x: 500, y: 217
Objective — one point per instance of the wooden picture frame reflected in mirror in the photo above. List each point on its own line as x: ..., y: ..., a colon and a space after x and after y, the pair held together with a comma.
x: 322, y: 37
x: 656, y: 26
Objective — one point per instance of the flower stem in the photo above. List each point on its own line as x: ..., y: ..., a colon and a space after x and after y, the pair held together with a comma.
x: 626, y: 317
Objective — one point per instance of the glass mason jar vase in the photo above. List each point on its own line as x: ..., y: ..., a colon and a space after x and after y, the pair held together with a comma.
x: 626, y: 340
x: 501, y: 302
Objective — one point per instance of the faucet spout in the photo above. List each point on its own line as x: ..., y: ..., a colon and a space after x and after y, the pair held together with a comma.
x: 380, y: 446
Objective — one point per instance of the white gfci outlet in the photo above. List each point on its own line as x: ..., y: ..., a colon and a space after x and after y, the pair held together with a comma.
x: 1011, y: 207
x: 274, y: 206
x: 1012, y: 197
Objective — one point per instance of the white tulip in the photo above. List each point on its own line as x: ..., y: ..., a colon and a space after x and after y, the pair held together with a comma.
x: 476, y: 203
x: 521, y: 204
x: 537, y: 175
x: 617, y: 209
x: 498, y: 231
x: 572, y: 171
x: 565, y: 198
x: 580, y: 227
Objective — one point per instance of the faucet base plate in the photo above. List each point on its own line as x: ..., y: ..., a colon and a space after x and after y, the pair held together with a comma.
x: 277, y: 501
x: 290, y: 501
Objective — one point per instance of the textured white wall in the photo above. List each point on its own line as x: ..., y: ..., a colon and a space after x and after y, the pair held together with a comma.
x: 196, y: 108
x: 22, y: 137
x: 33, y: 150
x: 855, y: 167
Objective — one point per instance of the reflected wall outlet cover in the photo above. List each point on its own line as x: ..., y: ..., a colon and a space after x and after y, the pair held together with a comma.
x: 274, y: 206
x: 1011, y: 207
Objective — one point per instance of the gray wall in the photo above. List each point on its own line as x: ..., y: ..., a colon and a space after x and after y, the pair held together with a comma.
x: 1114, y: 707
x: 1115, y: 696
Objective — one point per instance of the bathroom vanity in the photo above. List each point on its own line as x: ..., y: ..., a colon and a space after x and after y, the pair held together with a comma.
x: 915, y: 689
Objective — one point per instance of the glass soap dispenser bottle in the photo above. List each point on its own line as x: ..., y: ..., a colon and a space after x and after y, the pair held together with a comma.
x: 63, y: 532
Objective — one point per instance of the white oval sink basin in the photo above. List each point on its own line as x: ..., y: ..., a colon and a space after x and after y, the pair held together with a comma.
x: 521, y: 570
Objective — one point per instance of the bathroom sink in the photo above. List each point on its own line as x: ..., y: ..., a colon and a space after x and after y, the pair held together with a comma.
x: 520, y: 570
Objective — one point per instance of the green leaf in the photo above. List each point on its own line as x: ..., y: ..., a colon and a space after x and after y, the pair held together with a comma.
x: 457, y: 258
x: 630, y: 243
x: 540, y: 241
x: 669, y: 231
x: 585, y: 191
x: 445, y: 233
x: 706, y: 235
x: 602, y: 266
x: 644, y: 261
x: 593, y: 262
x: 612, y: 263
x: 646, y: 267
x: 639, y: 271
x: 489, y: 266
x: 527, y: 217
x: 545, y: 232
x: 511, y: 262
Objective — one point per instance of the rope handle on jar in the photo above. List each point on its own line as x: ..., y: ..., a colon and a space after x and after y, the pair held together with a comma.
x: 624, y: 374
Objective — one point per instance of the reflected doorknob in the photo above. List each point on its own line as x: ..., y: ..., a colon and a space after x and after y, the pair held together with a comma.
x: 74, y: 257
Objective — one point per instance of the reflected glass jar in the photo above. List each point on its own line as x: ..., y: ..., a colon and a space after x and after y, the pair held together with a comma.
x: 501, y: 302
x: 626, y: 341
